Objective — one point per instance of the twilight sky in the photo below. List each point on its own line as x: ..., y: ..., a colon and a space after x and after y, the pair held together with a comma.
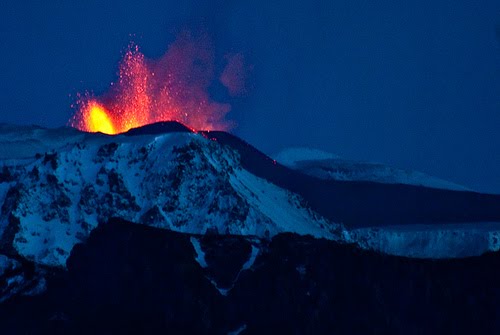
x: 415, y: 84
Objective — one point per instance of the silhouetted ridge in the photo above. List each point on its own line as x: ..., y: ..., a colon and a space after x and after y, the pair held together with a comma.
x: 159, y: 128
x: 361, y: 203
x: 133, y: 279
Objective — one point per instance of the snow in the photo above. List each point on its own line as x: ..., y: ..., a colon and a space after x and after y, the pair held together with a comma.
x: 200, y: 254
x: 431, y: 241
x: 281, y: 207
x: 46, y: 242
x: 200, y: 259
x: 189, y: 184
x: 251, y: 259
x: 18, y: 142
x: 83, y: 179
x: 223, y: 291
x: 331, y: 167
x: 16, y: 280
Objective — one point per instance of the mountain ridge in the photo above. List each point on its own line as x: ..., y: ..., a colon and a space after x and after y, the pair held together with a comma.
x: 134, y: 278
x: 57, y: 186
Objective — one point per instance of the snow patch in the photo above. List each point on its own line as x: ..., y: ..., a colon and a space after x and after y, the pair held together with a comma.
x: 223, y: 291
x: 200, y: 254
x: 281, y: 207
x: 251, y: 259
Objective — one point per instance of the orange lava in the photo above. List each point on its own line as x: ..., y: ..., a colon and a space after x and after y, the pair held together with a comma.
x: 172, y: 88
x: 97, y: 120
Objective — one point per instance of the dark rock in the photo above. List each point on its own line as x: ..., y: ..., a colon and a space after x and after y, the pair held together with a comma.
x: 88, y: 199
x: 225, y: 257
x: 12, y: 199
x: 51, y: 179
x: 9, y: 234
x: 159, y: 128
x: 35, y: 174
x: 135, y: 279
x: 107, y: 150
x: 51, y: 158
x: 152, y: 216
x: 6, y: 175
x: 339, y: 201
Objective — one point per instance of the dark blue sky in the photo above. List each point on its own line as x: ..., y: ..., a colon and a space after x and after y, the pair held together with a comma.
x: 412, y: 83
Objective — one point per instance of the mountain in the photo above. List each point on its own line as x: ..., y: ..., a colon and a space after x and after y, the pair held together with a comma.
x: 59, y: 187
x: 135, y: 279
x: 177, y: 180
x: 328, y: 166
x: 423, y: 240
x: 367, y: 203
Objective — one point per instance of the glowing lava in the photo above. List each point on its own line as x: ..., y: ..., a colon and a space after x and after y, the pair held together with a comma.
x: 97, y: 120
x: 172, y: 88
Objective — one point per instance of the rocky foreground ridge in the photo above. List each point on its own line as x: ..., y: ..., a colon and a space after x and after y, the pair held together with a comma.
x: 130, y: 278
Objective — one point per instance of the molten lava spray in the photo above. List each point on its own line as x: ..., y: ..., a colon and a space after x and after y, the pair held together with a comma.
x: 172, y: 88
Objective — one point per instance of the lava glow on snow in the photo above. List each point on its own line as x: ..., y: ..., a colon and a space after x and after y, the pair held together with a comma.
x: 172, y: 88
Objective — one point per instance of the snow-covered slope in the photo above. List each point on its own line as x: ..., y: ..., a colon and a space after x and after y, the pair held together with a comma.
x: 57, y: 185
x: 328, y: 166
x: 55, y: 192
x: 24, y: 142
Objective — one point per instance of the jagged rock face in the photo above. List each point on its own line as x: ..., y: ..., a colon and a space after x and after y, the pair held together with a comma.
x: 179, y: 181
x: 194, y: 182
x: 129, y: 278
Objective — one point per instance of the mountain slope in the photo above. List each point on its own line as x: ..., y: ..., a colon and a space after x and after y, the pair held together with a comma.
x: 58, y: 185
x: 179, y: 181
x: 366, y: 203
x: 167, y: 176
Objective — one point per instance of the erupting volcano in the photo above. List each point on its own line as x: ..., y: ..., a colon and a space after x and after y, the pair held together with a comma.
x: 171, y: 88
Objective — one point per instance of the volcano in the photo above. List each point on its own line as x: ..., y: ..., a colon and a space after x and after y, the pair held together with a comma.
x: 90, y: 223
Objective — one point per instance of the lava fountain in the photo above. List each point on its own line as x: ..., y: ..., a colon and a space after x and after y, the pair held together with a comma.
x: 171, y: 88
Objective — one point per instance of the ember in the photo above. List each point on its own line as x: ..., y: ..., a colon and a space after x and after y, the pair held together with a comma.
x: 172, y: 88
